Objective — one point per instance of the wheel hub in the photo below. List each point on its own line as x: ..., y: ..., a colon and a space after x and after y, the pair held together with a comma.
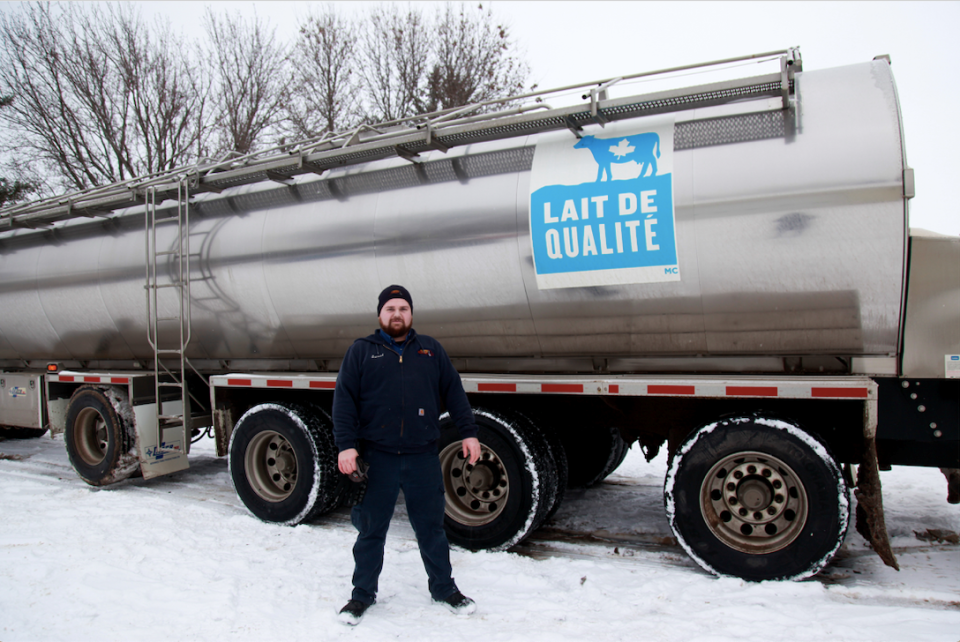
x: 475, y: 494
x: 91, y: 437
x: 754, y: 494
x: 753, y: 502
x: 271, y: 466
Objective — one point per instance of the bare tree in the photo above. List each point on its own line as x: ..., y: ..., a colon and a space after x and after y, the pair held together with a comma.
x: 103, y: 97
x: 474, y: 59
x: 100, y: 97
x: 14, y: 190
x: 395, y: 54
x: 251, y: 80
x: 325, y: 96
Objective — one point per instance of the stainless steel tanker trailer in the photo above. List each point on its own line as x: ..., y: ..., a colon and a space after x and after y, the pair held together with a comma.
x: 724, y: 269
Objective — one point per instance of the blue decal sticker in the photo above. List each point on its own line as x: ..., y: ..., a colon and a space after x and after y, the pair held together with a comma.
x: 642, y: 149
x: 601, y: 208
x: 159, y: 453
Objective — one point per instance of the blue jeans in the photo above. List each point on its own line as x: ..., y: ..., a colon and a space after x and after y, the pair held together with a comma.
x: 420, y: 478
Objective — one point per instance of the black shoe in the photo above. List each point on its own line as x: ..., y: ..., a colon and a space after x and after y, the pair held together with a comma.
x: 458, y: 603
x: 352, y: 613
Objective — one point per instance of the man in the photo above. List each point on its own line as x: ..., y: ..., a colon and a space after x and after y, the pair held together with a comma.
x: 387, y: 402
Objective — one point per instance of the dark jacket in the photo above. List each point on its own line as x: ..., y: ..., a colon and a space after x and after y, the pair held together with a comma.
x: 391, y: 400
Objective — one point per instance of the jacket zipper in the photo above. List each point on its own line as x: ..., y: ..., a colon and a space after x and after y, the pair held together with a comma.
x: 403, y: 401
x: 402, y: 396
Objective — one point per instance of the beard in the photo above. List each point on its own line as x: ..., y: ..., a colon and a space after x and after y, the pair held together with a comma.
x: 395, y: 330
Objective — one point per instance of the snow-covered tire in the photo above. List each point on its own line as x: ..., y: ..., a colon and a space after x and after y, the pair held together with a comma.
x: 99, y: 435
x: 283, y: 462
x: 757, y: 498
x: 598, y: 453
x: 10, y: 432
x: 557, y: 457
x: 508, y: 493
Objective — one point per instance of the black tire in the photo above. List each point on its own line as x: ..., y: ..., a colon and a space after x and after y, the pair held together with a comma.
x: 758, y: 499
x: 100, y: 440
x: 622, y: 448
x: 507, y: 494
x: 283, y: 463
x: 10, y: 432
x: 598, y: 453
x: 327, y: 447
x: 557, y: 455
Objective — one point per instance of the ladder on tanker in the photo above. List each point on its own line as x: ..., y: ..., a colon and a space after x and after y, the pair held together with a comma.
x: 175, y: 320
x: 407, y: 138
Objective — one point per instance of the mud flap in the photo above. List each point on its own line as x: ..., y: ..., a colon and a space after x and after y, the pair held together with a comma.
x: 953, y: 484
x: 159, y: 459
x: 870, y: 521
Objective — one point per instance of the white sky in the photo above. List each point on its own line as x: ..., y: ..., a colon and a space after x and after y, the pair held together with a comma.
x: 578, y: 41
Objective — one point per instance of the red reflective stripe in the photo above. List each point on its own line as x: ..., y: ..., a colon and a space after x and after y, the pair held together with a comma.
x: 328, y: 385
x: 671, y: 390
x: 496, y: 387
x: 279, y: 383
x: 855, y: 393
x: 119, y: 380
x: 65, y: 378
x: 751, y: 391
x: 614, y: 388
x: 561, y: 387
x: 91, y: 379
x: 239, y: 382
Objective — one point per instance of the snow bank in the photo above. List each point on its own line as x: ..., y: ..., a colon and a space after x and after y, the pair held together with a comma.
x: 179, y: 558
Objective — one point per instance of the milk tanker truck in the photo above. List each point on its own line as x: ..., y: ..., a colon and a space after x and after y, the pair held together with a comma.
x: 724, y: 269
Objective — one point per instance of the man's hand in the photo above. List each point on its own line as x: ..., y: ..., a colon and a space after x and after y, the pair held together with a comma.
x: 347, y: 461
x: 471, y: 449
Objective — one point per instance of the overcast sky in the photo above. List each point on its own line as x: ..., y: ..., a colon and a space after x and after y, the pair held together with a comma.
x: 570, y: 42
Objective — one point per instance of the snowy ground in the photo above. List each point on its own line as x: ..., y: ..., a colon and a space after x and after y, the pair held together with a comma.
x: 180, y: 558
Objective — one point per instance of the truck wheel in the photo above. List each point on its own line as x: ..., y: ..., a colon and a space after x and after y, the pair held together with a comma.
x: 622, y: 448
x: 9, y: 432
x: 556, y: 455
x: 599, y: 452
x: 99, y: 435
x: 506, y: 495
x: 757, y: 498
x: 283, y: 463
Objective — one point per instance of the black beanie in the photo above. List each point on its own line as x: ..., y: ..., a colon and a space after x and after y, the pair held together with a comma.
x: 394, y: 292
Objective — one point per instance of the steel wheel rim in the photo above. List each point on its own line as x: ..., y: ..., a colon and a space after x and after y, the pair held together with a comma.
x: 271, y: 466
x: 754, y: 502
x: 475, y: 494
x: 90, y: 436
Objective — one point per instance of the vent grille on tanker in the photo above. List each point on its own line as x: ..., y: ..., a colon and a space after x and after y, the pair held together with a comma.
x: 268, y: 199
x: 312, y: 191
x: 382, y: 181
x: 511, y: 160
x: 730, y: 129
x: 440, y: 172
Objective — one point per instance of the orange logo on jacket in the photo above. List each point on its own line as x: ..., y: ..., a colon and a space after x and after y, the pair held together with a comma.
x: 426, y: 352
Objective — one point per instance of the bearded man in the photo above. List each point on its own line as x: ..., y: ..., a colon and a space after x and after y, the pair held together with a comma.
x: 387, y: 404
